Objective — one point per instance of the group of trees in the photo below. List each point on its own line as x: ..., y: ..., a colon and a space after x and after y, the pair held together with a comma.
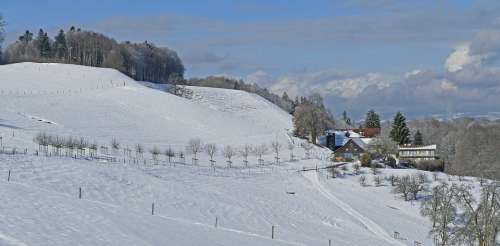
x: 468, y: 147
x: 283, y: 101
x: 459, y: 218
x: 311, y: 118
x: 141, y: 61
x: 2, y: 24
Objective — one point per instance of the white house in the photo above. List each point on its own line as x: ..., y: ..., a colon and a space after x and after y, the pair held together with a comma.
x: 417, y: 153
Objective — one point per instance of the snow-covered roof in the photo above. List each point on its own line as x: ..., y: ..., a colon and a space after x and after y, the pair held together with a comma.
x: 427, y: 147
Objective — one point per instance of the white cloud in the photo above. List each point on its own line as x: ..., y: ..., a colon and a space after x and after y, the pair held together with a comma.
x: 458, y: 59
x: 447, y: 85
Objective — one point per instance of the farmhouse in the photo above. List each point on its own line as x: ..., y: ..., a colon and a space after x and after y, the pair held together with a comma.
x: 351, y: 150
x: 417, y: 153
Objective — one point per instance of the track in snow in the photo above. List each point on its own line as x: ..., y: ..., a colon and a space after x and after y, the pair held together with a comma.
x: 368, y: 223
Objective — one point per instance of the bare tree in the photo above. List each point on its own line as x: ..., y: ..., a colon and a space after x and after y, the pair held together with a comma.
x: 291, y: 147
x: 383, y: 145
x: 139, y: 150
x: 228, y: 152
x: 393, y: 180
x: 362, y: 180
x: 307, y: 149
x: 276, y: 147
x: 115, y: 145
x: 260, y: 150
x: 170, y: 153
x: 442, y: 211
x: 482, y: 221
x: 245, y: 152
x: 403, y: 187
x: 155, y: 151
x: 93, y: 149
x: 377, y: 180
x: 211, y: 150
x: 356, y: 168
x: 194, y: 147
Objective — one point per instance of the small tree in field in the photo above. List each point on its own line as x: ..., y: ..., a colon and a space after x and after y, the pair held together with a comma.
x: 170, y: 153
x: 362, y: 180
x: 115, y: 145
x: 93, y: 149
x: 211, y: 150
x: 260, y: 151
x: 374, y: 169
x: 276, y: 147
x: 393, y: 179
x: 307, y: 149
x: 194, y: 147
x: 139, y: 151
x: 155, y: 151
x: 228, y: 152
x: 334, y: 171
x: 245, y: 152
x: 291, y: 147
x: 356, y: 168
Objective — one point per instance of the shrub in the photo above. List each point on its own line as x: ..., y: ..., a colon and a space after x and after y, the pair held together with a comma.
x: 430, y: 165
x: 366, y: 160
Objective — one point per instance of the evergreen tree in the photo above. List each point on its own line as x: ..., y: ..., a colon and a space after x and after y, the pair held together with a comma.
x: 26, y: 37
x: 60, y: 47
x: 372, y: 120
x: 43, y: 44
x: 346, y: 119
x: 400, y: 132
x: 418, y: 139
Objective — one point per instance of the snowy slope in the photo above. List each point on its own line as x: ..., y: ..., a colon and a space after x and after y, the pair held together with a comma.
x: 40, y: 205
x: 102, y: 103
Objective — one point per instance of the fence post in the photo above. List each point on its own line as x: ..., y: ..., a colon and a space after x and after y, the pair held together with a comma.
x: 329, y: 242
x: 8, y: 177
x: 272, y: 232
x: 216, y: 221
x: 153, y: 208
x: 80, y: 193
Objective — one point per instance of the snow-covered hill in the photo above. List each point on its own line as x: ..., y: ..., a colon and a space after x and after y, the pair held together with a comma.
x: 40, y: 204
x: 100, y: 104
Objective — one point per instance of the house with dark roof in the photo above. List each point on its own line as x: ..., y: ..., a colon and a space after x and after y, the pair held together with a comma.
x: 352, y: 149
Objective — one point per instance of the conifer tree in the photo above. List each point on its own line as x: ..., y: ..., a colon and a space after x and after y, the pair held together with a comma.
x: 43, y: 44
x: 400, y: 132
x: 372, y: 120
x: 418, y: 139
x: 60, y: 47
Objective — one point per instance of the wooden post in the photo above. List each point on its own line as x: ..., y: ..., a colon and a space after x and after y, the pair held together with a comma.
x: 272, y: 232
x: 216, y: 221
x: 329, y: 242
x: 8, y: 177
x: 80, y: 193
x: 153, y: 208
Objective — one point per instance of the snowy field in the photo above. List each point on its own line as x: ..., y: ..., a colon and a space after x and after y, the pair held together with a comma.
x: 193, y: 204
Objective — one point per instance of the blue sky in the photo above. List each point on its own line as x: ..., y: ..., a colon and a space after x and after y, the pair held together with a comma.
x: 336, y: 47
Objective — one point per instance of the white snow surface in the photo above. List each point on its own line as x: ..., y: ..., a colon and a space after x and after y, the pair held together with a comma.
x: 100, y: 104
x: 40, y: 204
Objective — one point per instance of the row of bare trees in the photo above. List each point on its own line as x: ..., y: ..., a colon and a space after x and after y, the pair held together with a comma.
x: 69, y: 144
x: 195, y: 147
x: 54, y: 144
